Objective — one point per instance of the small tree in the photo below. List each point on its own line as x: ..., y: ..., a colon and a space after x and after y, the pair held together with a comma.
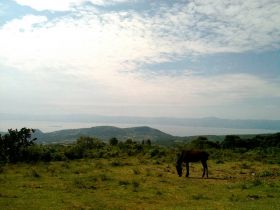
x: 202, y: 142
x: 129, y: 141
x: 149, y: 143
x: 87, y: 142
x: 231, y: 142
x: 113, y: 141
x: 14, y: 144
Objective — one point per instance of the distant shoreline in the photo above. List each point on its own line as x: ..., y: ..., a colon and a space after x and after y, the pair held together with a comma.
x: 176, y: 130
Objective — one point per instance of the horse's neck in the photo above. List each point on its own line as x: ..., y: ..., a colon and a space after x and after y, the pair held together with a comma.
x: 185, y: 158
x: 180, y: 160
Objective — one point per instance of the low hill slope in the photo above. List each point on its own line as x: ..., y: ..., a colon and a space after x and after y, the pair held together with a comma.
x: 105, y: 133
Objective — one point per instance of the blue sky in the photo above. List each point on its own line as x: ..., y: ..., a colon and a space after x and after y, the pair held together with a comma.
x: 195, y: 58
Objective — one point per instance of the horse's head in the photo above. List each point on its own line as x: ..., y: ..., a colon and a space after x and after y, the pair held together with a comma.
x: 179, y: 169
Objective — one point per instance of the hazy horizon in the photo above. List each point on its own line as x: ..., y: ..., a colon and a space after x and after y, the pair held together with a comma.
x: 183, y: 59
x: 47, y: 126
x: 173, y: 126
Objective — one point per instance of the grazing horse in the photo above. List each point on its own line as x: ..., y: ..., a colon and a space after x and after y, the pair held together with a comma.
x: 188, y: 156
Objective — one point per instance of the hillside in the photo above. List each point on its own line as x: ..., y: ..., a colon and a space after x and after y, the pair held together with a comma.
x: 105, y: 133
x: 135, y: 133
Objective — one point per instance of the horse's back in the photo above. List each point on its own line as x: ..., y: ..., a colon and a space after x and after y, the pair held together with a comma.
x: 195, y: 155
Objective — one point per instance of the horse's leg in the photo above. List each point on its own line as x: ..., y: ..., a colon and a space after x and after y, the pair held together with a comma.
x: 188, y: 169
x: 205, y: 168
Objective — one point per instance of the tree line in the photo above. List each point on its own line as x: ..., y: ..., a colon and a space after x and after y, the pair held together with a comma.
x: 18, y: 145
x: 236, y: 142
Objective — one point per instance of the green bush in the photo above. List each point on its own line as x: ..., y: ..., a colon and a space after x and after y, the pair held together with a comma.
x: 74, y: 152
x: 36, y: 153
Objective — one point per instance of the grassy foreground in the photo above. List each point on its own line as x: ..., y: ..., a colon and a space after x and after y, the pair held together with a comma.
x: 138, y: 183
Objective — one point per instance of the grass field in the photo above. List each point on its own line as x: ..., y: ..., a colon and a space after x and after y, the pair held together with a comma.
x: 138, y: 183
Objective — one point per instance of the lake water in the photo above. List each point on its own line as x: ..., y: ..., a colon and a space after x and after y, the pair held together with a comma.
x: 47, y: 126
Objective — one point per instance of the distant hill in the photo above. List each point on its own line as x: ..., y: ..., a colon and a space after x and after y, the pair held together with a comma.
x: 105, y: 133
x: 135, y: 133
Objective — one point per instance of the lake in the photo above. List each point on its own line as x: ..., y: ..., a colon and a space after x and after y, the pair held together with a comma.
x: 48, y: 126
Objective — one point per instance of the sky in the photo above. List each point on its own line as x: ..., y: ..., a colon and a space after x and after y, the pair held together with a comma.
x: 195, y: 58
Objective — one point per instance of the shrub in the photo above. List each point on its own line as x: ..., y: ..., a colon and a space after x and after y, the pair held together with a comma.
x: 34, y: 173
x: 256, y: 182
x: 58, y: 156
x: 202, y: 143
x: 199, y: 197
x: 245, y: 166
x: 87, y: 143
x: 83, y: 184
x: 233, y: 198
x: 75, y: 152
x: 135, y: 185
x: 219, y: 162
x: 136, y: 171
x: 158, y: 152
x: 104, y: 177
x: 154, y: 152
x: 159, y: 193
x: 271, y: 173
x: 253, y: 197
x: 36, y: 153
x: 99, y: 165
x: 116, y: 163
x: 123, y: 182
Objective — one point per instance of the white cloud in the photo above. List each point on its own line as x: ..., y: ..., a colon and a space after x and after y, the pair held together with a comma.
x: 27, y: 23
x: 206, y: 26
x: 97, y: 55
x: 222, y: 26
x: 62, y: 5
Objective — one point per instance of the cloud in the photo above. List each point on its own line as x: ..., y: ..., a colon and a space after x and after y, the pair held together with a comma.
x: 196, y: 27
x: 26, y: 23
x: 62, y: 5
x: 40, y: 5
x: 221, y: 27
x: 92, y: 57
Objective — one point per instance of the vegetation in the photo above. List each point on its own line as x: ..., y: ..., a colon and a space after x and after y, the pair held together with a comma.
x: 14, y: 145
x: 92, y: 174
x: 106, y: 133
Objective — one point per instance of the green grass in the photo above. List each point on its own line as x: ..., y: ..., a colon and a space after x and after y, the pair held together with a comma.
x: 138, y: 183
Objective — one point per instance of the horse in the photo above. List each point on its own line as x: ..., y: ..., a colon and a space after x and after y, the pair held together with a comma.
x: 188, y: 156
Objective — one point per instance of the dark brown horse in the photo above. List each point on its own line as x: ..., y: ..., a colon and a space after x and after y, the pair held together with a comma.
x: 188, y: 156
